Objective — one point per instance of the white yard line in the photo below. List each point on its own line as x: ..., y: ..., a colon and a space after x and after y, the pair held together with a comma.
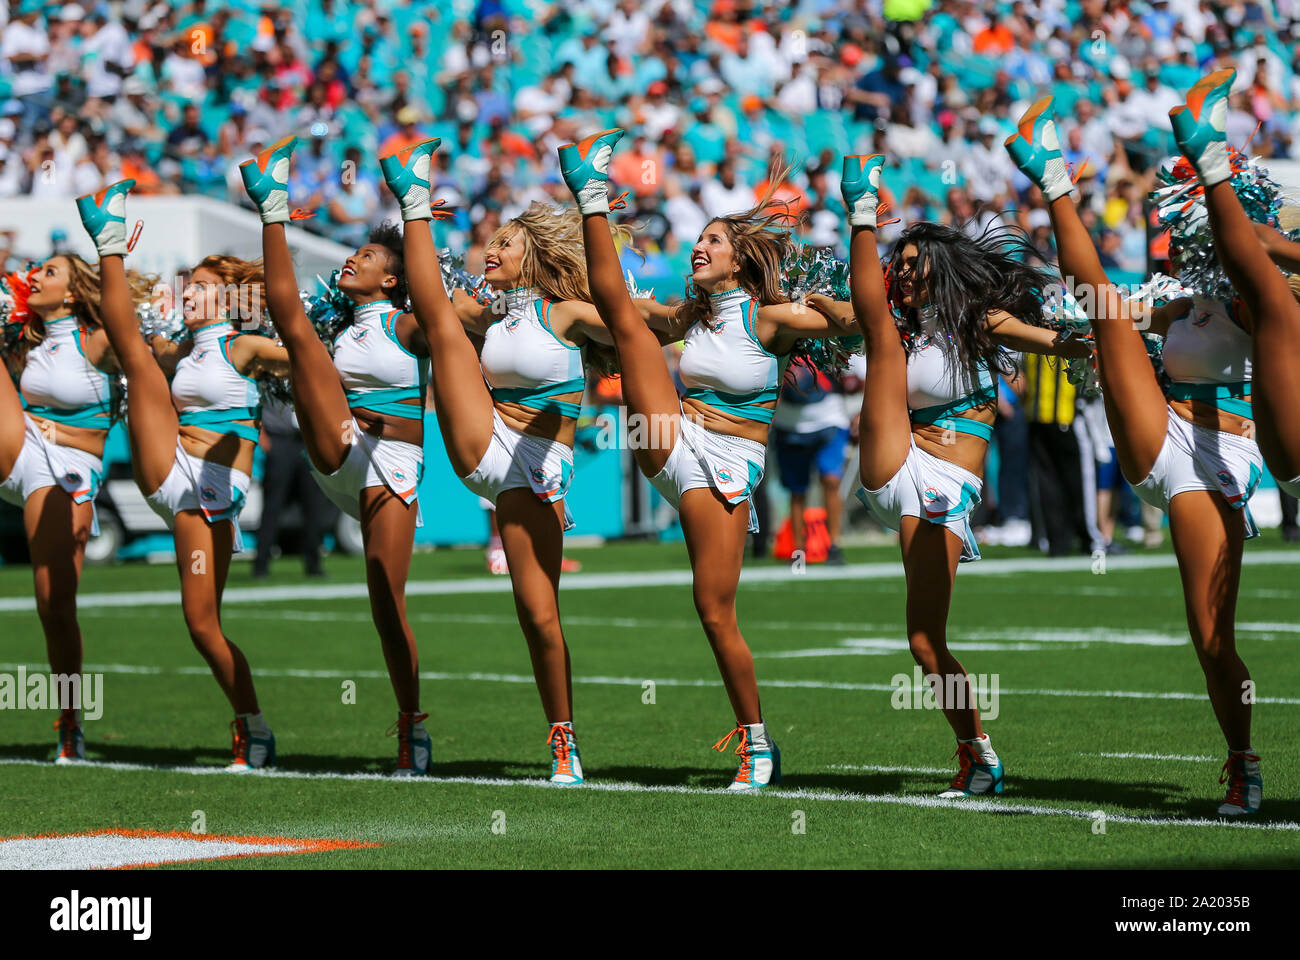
x: 527, y: 679
x: 633, y: 580
x: 1153, y: 756
x: 969, y: 805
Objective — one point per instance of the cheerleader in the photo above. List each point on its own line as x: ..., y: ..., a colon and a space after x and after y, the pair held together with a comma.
x: 192, y: 442
x: 705, y: 453
x: 362, y: 418
x: 1191, y: 453
x: 52, y: 432
x: 927, y: 416
x: 1269, y: 298
x: 508, y: 412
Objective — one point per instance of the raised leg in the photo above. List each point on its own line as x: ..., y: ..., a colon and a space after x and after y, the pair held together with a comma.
x: 1135, y: 406
x: 885, y: 427
x: 460, y: 397
x: 318, y: 395
x: 1275, y: 330
x: 648, y: 388
x: 13, y: 424
x: 152, y: 425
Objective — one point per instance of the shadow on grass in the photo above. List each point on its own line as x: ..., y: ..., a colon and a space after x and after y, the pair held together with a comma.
x: 1166, y: 799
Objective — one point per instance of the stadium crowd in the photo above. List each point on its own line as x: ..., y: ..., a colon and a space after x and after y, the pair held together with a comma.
x: 713, y: 94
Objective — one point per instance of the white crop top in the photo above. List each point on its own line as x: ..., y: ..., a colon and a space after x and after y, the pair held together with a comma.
x: 724, y: 365
x: 524, y: 362
x: 1206, y: 345
x: 60, y: 384
x: 379, y: 373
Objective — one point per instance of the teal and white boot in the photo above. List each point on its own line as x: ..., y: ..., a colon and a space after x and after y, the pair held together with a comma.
x: 566, y: 764
x: 253, y: 743
x: 1245, y: 784
x: 414, y: 745
x: 266, y: 178
x: 407, y: 174
x: 860, y: 188
x: 1200, y: 124
x: 1036, y: 150
x: 981, y: 771
x: 760, y: 757
x: 585, y: 167
x: 72, y: 742
x: 103, y: 215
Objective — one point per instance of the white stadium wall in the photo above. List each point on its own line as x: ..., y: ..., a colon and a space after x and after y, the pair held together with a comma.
x: 178, y: 232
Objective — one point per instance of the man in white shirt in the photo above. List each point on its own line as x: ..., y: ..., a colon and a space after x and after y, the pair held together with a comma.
x: 725, y: 194
x: 107, y: 57
x: 24, y: 49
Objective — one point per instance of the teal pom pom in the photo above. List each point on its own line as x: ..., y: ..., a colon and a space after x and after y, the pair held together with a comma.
x: 815, y: 270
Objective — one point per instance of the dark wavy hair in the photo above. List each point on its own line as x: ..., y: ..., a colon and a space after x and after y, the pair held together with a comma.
x: 389, y: 236
x: 967, y: 278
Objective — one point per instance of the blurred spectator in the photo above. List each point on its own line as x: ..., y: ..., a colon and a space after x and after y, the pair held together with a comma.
x: 1062, y: 474
x: 810, y: 433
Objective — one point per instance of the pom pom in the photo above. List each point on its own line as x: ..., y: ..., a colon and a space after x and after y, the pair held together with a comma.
x: 329, y: 311
x: 808, y: 271
x: 456, y: 277
x: 170, y: 324
x: 634, y: 290
x: 14, y: 290
x: 1180, y: 206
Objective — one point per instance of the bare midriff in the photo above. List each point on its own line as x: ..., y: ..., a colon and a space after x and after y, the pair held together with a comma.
x: 547, y: 424
x: 1205, y: 414
x: 715, y: 420
x: 390, y: 427
x: 965, y: 450
x: 77, y: 438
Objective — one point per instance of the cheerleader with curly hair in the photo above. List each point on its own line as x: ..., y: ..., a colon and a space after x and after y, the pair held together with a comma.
x: 192, y: 440
x: 361, y: 412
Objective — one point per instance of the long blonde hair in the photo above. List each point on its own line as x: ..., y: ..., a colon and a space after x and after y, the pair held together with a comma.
x: 554, y: 261
x: 762, y: 239
x: 83, y: 283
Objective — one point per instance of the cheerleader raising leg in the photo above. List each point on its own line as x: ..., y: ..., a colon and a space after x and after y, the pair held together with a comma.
x: 510, y: 439
x: 1158, y: 443
x: 362, y: 419
x: 1274, y: 313
x: 193, y: 480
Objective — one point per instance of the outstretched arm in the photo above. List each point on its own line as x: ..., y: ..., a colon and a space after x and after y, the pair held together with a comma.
x: 257, y: 356
x: 168, y: 353
x: 781, y: 324
x: 476, y: 317
x: 1015, y: 334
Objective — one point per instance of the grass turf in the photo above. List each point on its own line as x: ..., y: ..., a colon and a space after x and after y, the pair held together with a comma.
x: 856, y: 768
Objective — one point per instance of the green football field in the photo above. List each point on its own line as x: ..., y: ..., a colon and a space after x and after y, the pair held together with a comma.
x: 1111, y: 750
